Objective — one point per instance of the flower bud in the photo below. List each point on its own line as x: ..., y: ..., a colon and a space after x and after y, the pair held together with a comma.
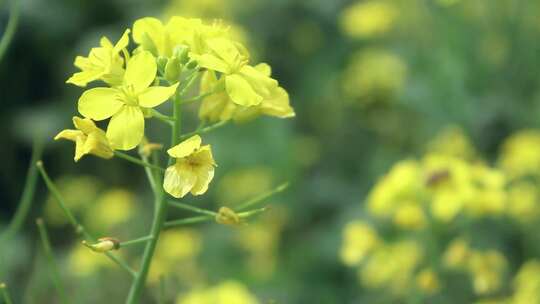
x: 172, y: 70
x: 162, y: 63
x: 103, y: 245
x: 146, y: 148
x: 192, y: 65
x: 181, y: 52
x: 227, y: 216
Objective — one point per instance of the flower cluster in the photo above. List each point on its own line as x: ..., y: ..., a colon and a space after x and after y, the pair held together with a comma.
x: 426, y: 219
x: 164, y: 63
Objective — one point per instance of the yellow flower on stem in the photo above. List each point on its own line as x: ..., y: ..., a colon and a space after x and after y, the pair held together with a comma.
x: 245, y: 85
x: 88, y: 138
x: 103, y: 63
x: 193, y: 170
x: 125, y: 104
x: 219, y: 106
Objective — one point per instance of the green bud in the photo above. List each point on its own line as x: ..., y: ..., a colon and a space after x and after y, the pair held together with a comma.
x: 181, y: 52
x: 173, y: 70
x: 191, y: 65
x: 161, y: 63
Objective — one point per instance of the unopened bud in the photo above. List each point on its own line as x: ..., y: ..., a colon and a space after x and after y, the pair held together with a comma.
x: 172, y: 70
x: 192, y: 65
x: 181, y: 52
x: 162, y: 63
x: 227, y: 216
x: 146, y: 148
x: 103, y: 245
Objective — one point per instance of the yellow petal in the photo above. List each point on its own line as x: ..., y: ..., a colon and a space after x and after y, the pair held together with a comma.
x: 203, y: 156
x: 264, y: 68
x: 69, y: 135
x: 84, y: 124
x: 126, y: 128
x: 212, y: 62
x: 186, y: 147
x: 97, y: 144
x: 81, y: 79
x: 240, y: 91
x: 179, y: 180
x: 141, y: 71
x: 261, y: 83
x: 204, y: 174
x: 79, y: 148
x: 150, y: 34
x: 154, y: 96
x: 99, y: 103
x: 122, y: 43
x: 278, y: 104
x: 104, y: 42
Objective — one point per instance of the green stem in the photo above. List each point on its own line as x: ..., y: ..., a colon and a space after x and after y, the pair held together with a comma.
x: 204, y: 130
x: 28, y: 193
x: 73, y: 221
x: 190, y: 220
x: 250, y: 213
x: 5, y: 293
x: 201, y: 96
x: 192, y: 208
x: 10, y: 28
x: 53, y: 267
x: 150, y: 175
x: 188, y: 82
x: 160, y: 215
x: 143, y: 239
x: 137, y: 161
x: 263, y: 196
x: 169, y: 120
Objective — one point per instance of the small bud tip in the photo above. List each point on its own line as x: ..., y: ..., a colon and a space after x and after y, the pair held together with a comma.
x: 3, y: 285
x: 39, y: 164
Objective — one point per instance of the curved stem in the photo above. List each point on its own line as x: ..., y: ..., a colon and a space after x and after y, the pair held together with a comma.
x: 28, y: 193
x: 136, y: 161
x: 204, y: 130
x: 10, y: 28
x: 160, y: 215
x: 192, y: 208
x: 53, y: 266
x: 143, y: 239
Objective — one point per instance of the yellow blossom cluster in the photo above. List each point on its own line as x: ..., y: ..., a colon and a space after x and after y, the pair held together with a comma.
x: 164, y: 62
x: 447, y: 192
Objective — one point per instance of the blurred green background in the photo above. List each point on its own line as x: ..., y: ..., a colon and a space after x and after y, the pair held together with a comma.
x: 371, y: 83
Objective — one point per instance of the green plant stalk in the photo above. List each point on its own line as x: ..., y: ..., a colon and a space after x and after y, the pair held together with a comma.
x: 11, y: 27
x: 137, y: 161
x: 263, y: 196
x: 190, y: 220
x: 28, y: 194
x: 143, y: 239
x: 160, y: 214
x: 73, y: 221
x: 192, y: 208
x: 53, y: 267
x: 204, y: 130
x: 5, y: 293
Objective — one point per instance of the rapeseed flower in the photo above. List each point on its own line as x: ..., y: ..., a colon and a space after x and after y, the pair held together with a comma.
x: 193, y: 170
x: 103, y: 63
x: 126, y: 104
x: 88, y: 138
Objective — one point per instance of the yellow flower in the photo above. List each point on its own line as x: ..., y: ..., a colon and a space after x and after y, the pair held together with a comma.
x: 193, y: 171
x: 229, y: 292
x: 244, y: 84
x: 227, y: 216
x: 125, y: 104
x: 487, y: 269
x: 219, y: 106
x: 88, y: 139
x: 520, y: 154
x: 456, y: 254
x: 427, y: 281
x: 410, y: 216
x: 359, y: 239
x: 368, y: 18
x: 103, y: 63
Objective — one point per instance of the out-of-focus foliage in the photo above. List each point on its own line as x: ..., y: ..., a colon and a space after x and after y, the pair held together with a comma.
x: 386, y: 203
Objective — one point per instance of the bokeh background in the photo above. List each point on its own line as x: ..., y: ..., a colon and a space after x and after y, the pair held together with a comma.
x: 413, y: 159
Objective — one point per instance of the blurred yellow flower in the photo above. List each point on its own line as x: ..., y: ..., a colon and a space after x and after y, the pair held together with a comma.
x: 368, y: 19
x: 523, y: 201
x: 373, y: 74
x: 452, y: 141
x: 193, y: 170
x: 125, y: 104
x: 103, y: 63
x: 88, y: 138
x: 457, y: 254
x: 228, y: 292
x: 112, y: 208
x: 428, y: 281
x: 359, y: 239
x: 487, y: 269
x: 242, y: 184
x: 83, y: 262
x: 520, y: 154
x: 410, y: 216
x: 527, y: 284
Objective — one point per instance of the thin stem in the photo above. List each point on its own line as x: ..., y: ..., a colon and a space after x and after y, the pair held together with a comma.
x: 250, y: 213
x: 53, y: 266
x: 143, y: 239
x: 205, y: 129
x: 137, y: 161
x: 160, y: 214
x: 162, y: 293
x: 188, y: 82
x: 79, y: 229
x: 28, y: 193
x: 189, y: 220
x: 5, y: 293
x: 150, y: 175
x: 168, y: 119
x: 10, y: 28
x: 192, y: 208
x: 263, y: 196
x: 201, y: 96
